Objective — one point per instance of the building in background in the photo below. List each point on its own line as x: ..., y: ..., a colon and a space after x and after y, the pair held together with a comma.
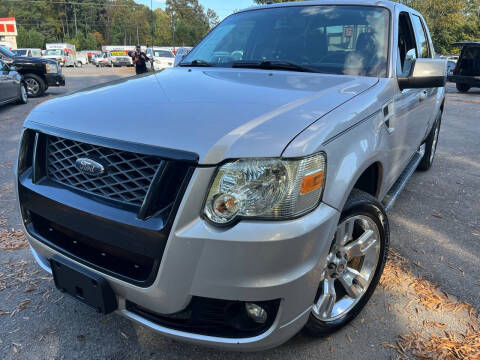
x: 8, y: 32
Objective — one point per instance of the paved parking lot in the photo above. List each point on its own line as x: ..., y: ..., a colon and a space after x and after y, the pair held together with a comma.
x: 431, y: 285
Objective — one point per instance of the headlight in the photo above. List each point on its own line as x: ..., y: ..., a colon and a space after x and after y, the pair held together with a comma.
x: 272, y: 189
x: 51, y: 68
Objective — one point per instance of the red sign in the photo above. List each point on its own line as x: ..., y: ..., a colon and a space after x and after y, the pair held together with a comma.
x: 7, y: 26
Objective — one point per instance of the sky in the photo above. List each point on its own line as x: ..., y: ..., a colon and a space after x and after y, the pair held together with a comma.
x: 223, y: 8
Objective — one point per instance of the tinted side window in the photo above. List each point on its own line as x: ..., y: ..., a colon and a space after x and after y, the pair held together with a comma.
x: 422, y: 42
x: 407, y: 49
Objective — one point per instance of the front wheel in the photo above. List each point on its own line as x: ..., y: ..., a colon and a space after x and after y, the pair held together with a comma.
x: 23, y: 98
x: 35, y: 85
x: 354, y: 265
x: 462, y: 87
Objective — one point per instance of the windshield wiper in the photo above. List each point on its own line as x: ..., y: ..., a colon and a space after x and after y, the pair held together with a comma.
x: 272, y: 65
x: 199, y: 62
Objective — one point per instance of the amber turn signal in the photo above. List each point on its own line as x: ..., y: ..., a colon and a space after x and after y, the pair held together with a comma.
x: 312, y: 182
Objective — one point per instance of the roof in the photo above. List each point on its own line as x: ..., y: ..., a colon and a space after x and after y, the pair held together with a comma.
x: 7, y: 19
x: 384, y: 3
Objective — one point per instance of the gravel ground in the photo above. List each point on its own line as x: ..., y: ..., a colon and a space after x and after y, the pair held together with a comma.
x: 435, y: 228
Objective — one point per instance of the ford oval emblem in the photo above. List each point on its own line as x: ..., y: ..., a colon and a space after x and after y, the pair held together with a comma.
x: 89, y: 167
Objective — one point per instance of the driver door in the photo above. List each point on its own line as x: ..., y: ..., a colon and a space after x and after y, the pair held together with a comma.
x: 407, y: 126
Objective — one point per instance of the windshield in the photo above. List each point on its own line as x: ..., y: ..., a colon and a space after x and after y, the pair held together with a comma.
x: 350, y: 40
x: 6, y: 52
x: 20, y: 52
x: 54, y: 52
x: 163, y: 53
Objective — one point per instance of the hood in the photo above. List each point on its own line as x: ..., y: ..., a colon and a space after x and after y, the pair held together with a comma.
x: 30, y: 60
x: 215, y: 113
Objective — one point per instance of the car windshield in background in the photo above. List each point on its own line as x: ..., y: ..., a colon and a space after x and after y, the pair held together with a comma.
x: 6, y: 52
x: 20, y: 52
x: 163, y: 53
x: 54, y: 52
x: 349, y: 40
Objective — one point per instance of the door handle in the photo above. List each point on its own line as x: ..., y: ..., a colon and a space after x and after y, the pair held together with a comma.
x: 423, y: 95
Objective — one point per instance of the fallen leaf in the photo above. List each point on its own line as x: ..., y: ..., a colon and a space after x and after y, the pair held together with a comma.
x: 81, y: 338
x: 124, y: 335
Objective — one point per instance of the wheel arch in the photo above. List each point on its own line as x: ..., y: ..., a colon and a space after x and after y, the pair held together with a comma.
x: 370, y: 180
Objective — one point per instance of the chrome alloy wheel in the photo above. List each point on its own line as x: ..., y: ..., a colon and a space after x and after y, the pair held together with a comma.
x: 33, y: 87
x: 434, y: 143
x: 351, y: 266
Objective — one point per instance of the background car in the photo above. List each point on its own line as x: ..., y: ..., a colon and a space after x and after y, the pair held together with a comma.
x: 38, y: 73
x: 82, y: 59
x: 28, y: 52
x: 119, y: 58
x: 103, y: 60
x: 467, y: 71
x: 160, y: 58
x: 450, y: 67
x: 12, y: 86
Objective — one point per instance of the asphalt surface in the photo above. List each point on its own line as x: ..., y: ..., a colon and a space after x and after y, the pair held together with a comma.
x: 435, y: 225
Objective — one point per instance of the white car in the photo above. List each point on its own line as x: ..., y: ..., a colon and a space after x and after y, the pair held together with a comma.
x: 28, y: 52
x: 160, y: 58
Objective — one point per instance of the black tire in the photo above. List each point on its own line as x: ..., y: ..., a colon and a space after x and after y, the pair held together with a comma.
x: 463, y: 88
x: 431, y: 144
x: 35, y: 85
x: 358, y: 203
x: 23, y: 96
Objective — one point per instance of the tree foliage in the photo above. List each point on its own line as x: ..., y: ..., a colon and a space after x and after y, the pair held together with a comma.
x: 90, y: 24
x: 448, y: 20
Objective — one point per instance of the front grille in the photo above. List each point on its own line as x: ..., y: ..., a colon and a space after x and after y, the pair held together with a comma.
x: 127, y: 177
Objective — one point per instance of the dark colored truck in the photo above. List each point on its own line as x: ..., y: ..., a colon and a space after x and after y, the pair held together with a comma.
x: 467, y: 72
x: 38, y: 73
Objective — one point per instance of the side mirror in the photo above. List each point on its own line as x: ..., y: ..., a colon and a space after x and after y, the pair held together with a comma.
x: 178, y: 59
x: 12, y: 68
x: 425, y: 73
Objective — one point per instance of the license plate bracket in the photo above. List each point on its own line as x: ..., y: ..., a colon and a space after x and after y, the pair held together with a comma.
x: 83, y: 285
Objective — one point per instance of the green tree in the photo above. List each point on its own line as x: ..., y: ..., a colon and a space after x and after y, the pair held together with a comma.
x: 190, y: 20
x: 449, y: 21
x: 29, y: 38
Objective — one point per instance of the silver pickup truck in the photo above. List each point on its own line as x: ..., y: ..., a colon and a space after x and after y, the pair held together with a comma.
x: 246, y: 198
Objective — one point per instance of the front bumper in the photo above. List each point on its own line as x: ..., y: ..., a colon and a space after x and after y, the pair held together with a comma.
x: 252, y: 261
x: 55, y: 79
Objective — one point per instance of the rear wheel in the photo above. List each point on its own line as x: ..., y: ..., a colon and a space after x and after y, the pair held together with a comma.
x: 35, y: 85
x: 462, y: 87
x: 431, y: 146
x: 354, y: 265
